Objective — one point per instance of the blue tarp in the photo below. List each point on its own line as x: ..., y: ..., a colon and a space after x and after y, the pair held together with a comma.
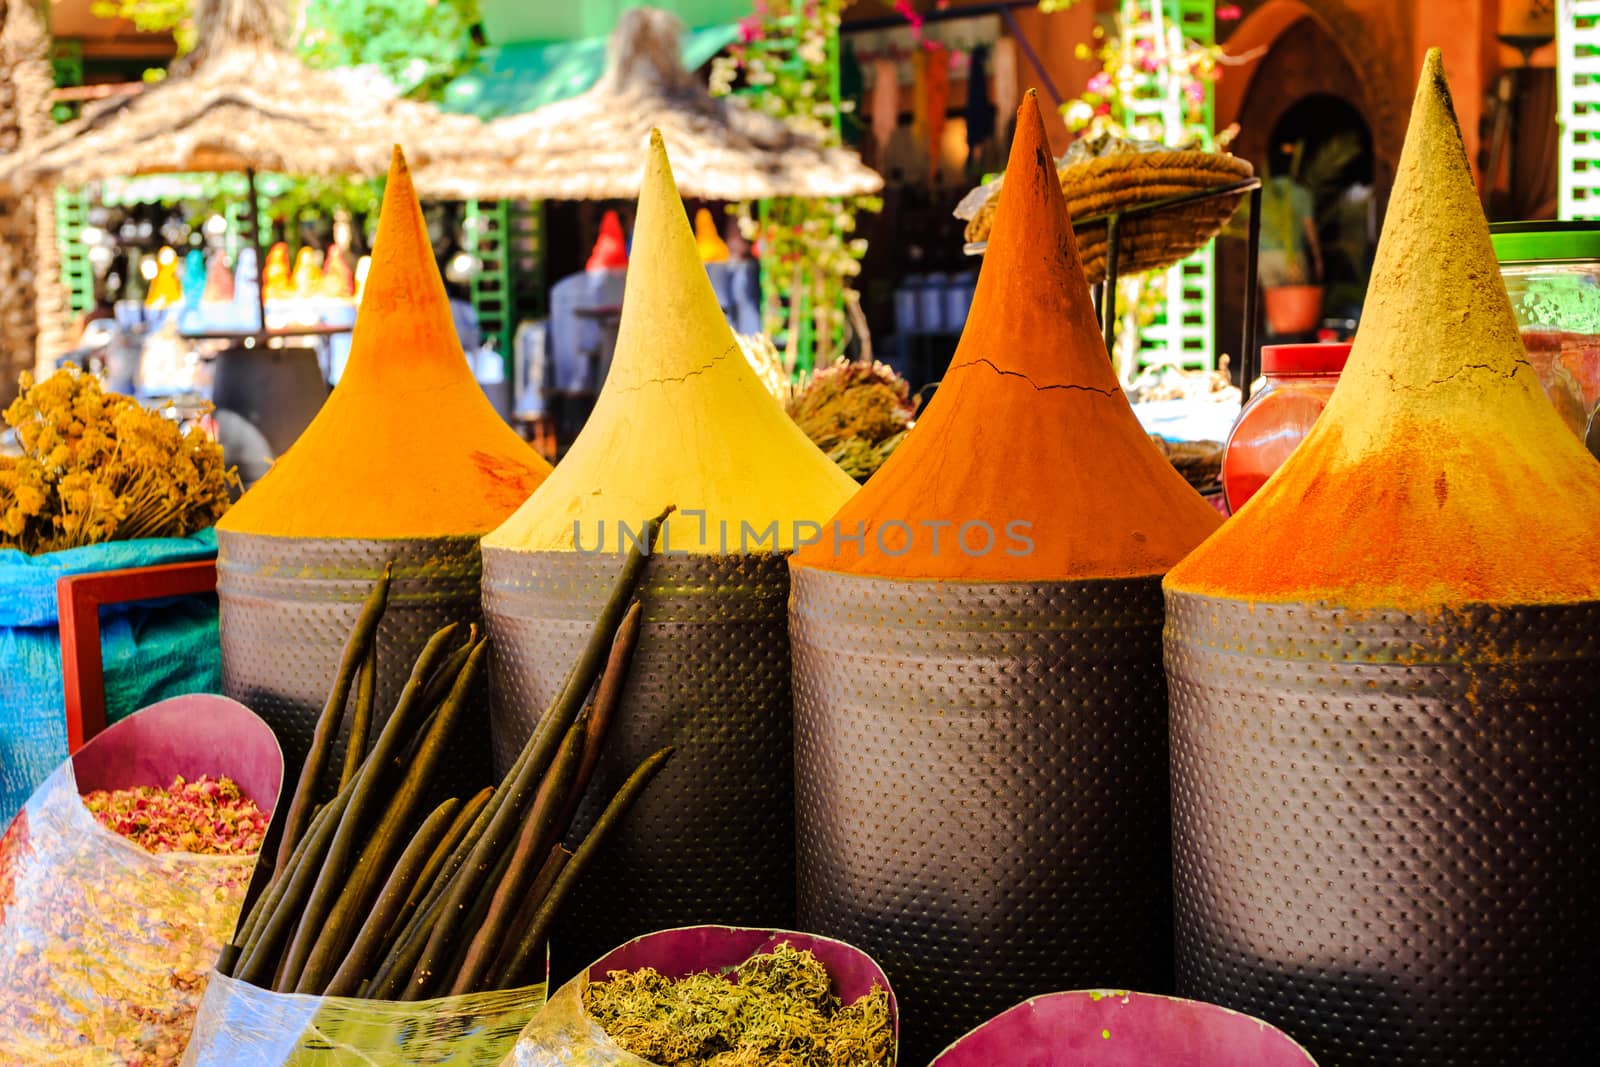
x: 150, y: 651
x: 509, y: 79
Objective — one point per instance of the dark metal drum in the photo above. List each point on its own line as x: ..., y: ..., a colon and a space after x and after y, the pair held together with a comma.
x: 713, y: 838
x: 981, y: 788
x: 288, y: 604
x: 1385, y: 826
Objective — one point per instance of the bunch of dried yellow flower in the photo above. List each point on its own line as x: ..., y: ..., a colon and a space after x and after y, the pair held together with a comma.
x: 98, y: 466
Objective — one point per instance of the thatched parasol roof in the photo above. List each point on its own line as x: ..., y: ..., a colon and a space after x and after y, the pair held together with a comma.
x: 593, y: 147
x: 240, y: 101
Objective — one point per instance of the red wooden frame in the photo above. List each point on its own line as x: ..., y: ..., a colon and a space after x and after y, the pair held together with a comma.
x: 79, y: 598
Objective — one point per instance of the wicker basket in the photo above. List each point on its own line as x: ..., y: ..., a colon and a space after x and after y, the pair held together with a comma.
x: 1200, y: 462
x: 1118, y: 182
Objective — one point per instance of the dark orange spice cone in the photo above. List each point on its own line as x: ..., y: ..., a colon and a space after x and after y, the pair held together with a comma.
x: 980, y: 712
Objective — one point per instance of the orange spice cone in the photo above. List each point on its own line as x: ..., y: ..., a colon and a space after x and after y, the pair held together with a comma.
x: 406, y: 464
x: 1382, y: 675
x: 407, y: 445
x: 713, y: 249
x: 980, y: 715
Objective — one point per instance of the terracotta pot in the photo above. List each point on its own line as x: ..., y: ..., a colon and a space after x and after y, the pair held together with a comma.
x: 1293, y: 308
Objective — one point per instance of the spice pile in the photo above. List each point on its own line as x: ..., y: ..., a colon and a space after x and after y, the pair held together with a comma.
x: 206, y: 816
x: 375, y: 896
x: 780, y: 1012
x: 104, y: 950
x: 465, y: 474
x: 98, y: 466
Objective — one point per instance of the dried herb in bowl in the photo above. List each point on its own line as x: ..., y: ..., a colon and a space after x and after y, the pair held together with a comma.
x: 778, y: 1011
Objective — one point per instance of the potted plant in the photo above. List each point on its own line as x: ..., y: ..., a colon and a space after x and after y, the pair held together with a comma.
x: 1290, y: 263
x: 1291, y: 251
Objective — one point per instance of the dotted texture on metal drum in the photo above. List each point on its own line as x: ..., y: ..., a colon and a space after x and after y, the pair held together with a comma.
x: 712, y: 839
x: 288, y: 606
x: 1385, y: 826
x: 981, y: 788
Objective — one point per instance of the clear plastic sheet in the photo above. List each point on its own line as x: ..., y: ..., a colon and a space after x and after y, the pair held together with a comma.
x: 104, y: 947
x: 563, y: 1035
x: 243, y: 1024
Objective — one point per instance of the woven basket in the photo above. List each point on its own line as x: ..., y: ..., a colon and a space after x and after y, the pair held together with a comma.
x: 1200, y: 462
x: 1119, y: 182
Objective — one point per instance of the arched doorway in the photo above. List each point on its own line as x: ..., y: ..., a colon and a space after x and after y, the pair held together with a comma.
x: 1300, y: 86
x: 1326, y: 145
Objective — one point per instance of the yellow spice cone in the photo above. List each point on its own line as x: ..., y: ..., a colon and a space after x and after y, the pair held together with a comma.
x: 713, y: 249
x: 682, y: 419
x: 1439, y: 473
x: 407, y: 445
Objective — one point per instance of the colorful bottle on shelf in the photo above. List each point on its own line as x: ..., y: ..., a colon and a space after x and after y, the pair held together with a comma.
x: 1299, y: 379
x: 406, y: 463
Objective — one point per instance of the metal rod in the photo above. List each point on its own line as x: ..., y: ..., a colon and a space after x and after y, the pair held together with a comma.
x: 1033, y: 57
x: 261, y: 252
x: 1252, y: 275
x: 1108, y: 304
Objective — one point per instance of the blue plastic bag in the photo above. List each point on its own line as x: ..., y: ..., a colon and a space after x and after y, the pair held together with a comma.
x: 150, y: 650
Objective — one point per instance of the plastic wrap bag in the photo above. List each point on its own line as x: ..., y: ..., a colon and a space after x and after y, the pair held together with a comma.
x: 243, y: 1024
x: 564, y: 1035
x: 104, y: 947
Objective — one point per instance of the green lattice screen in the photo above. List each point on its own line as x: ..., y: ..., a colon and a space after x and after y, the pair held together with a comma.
x: 1578, y: 106
x: 1185, y: 330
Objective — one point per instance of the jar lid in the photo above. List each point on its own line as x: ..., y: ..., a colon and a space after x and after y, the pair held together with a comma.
x: 1328, y: 358
x: 1546, y: 241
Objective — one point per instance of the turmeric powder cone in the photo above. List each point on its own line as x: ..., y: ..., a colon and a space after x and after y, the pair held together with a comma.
x: 682, y: 419
x: 1382, y: 683
x: 980, y: 711
x: 406, y: 463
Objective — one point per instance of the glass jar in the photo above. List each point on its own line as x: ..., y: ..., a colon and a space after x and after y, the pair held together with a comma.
x: 1552, y: 275
x: 1298, y: 380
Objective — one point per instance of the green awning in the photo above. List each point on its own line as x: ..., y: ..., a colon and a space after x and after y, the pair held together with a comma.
x: 512, y: 78
x: 505, y: 21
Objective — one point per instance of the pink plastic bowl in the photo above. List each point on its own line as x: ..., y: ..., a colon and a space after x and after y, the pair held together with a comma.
x: 1113, y: 1028
x: 188, y: 735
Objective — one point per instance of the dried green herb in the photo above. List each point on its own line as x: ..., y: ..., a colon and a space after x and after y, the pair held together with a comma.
x: 779, y: 1012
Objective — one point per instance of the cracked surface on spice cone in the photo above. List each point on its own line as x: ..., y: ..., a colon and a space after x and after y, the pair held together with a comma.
x: 682, y: 418
x: 1029, y: 424
x: 407, y: 445
x: 1438, y: 473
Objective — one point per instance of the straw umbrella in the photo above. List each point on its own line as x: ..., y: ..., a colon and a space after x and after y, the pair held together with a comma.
x: 241, y: 102
x: 592, y: 147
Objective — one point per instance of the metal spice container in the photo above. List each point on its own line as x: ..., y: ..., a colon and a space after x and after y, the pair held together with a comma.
x: 1384, y: 828
x: 710, y: 676
x: 288, y: 604
x: 981, y: 787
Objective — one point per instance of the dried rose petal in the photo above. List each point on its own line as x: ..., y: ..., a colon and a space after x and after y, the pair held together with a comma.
x: 207, y: 816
